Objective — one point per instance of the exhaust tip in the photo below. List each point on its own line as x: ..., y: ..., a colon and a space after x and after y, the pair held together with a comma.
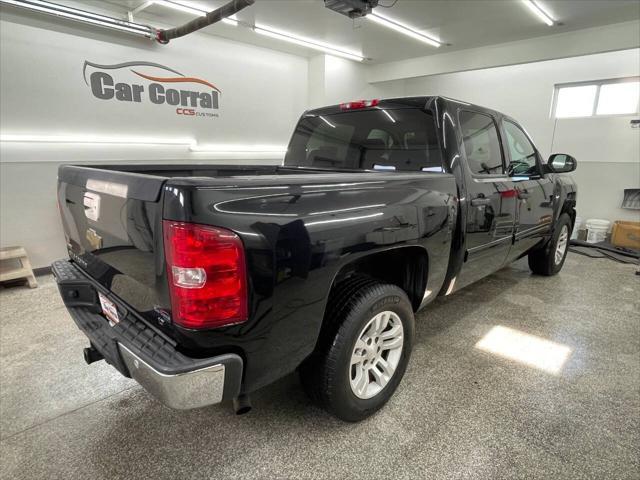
x: 91, y: 355
x: 242, y: 404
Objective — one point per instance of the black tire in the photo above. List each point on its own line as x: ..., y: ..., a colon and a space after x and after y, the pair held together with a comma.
x: 542, y: 261
x: 325, y: 375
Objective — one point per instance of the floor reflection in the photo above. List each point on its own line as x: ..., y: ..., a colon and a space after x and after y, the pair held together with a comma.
x: 528, y: 349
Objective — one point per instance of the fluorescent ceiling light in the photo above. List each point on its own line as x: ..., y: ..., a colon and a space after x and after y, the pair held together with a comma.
x: 187, y: 142
x: 239, y: 148
x: 94, y: 139
x: 192, y: 10
x: 306, y: 42
x: 83, y: 16
x: 180, y: 7
x: 540, y: 13
x: 399, y: 27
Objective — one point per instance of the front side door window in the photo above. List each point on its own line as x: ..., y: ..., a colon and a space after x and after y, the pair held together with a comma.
x: 535, y: 192
x: 523, y: 155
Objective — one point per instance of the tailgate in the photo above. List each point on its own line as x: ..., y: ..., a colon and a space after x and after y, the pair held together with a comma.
x: 113, y: 226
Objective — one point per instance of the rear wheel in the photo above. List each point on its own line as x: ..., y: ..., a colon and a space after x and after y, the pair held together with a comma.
x: 550, y: 259
x: 363, y: 351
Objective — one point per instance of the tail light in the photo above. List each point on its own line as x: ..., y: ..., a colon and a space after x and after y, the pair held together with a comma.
x: 359, y: 104
x: 207, y: 275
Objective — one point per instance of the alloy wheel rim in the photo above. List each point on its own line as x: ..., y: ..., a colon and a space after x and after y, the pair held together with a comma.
x: 561, y: 246
x: 376, y: 354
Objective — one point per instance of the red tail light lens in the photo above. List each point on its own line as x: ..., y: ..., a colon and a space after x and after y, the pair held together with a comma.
x: 359, y: 104
x: 207, y: 275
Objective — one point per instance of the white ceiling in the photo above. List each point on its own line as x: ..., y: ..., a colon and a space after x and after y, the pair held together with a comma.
x: 461, y: 24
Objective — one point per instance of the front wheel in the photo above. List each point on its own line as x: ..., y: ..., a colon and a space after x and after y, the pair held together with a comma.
x: 550, y: 259
x: 363, y: 352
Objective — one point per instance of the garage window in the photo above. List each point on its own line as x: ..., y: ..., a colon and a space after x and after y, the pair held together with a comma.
x: 609, y: 97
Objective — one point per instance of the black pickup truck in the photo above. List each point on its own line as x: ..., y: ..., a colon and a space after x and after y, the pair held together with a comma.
x: 207, y: 282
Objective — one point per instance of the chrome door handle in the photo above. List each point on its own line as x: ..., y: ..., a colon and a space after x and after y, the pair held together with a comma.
x: 477, y: 202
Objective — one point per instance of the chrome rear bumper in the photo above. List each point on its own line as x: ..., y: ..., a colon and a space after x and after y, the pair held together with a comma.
x: 182, y: 391
x: 139, y: 351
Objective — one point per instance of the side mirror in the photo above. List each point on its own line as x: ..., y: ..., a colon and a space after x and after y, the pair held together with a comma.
x: 561, y: 163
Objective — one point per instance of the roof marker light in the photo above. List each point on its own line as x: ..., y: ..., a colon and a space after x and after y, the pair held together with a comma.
x: 357, y: 104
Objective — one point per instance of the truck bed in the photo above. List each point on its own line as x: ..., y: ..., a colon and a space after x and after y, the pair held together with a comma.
x: 213, y: 171
x: 298, y: 233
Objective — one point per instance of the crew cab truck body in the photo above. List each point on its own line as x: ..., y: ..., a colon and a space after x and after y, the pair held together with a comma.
x: 207, y: 282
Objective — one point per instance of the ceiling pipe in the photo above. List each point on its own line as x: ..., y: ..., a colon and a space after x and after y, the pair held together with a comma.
x: 231, y: 8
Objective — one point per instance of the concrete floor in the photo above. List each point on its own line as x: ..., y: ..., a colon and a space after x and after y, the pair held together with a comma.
x: 460, y: 412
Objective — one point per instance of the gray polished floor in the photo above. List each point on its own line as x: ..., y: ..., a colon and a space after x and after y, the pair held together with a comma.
x: 564, y: 404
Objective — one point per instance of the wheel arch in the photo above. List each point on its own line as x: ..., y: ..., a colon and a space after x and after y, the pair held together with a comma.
x: 569, y: 207
x: 406, y: 267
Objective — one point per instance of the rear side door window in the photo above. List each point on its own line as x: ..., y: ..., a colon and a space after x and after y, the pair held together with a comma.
x: 481, y: 143
x: 522, y: 153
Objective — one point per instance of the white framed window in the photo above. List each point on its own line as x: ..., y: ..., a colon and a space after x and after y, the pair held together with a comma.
x: 592, y: 99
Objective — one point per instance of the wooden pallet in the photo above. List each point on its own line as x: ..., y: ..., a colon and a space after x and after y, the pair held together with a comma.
x: 14, y: 273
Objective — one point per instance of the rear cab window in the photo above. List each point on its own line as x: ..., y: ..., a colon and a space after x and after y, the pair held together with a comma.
x: 403, y: 139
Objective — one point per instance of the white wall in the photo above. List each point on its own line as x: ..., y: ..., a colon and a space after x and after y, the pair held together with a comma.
x: 607, y: 149
x: 43, y: 93
x: 335, y: 80
x: 263, y: 93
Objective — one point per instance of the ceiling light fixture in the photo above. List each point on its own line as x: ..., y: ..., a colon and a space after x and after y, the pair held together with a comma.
x: 239, y: 149
x: 306, y: 42
x: 404, y: 29
x: 540, y: 12
x: 192, y: 144
x: 82, y: 16
x: 191, y: 10
x: 93, y: 139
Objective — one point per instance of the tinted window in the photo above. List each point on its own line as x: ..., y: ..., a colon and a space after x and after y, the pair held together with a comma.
x: 481, y: 143
x: 401, y: 139
x: 523, y: 155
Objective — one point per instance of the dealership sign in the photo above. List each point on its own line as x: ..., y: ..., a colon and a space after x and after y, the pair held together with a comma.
x: 160, y: 85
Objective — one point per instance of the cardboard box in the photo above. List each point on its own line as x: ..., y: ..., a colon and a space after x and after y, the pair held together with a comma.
x: 626, y: 234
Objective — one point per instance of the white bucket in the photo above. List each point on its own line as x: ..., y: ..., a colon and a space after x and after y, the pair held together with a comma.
x: 597, y: 230
x: 576, y: 227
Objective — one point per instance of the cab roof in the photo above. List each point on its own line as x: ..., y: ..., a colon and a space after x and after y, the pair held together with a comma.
x: 424, y: 101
